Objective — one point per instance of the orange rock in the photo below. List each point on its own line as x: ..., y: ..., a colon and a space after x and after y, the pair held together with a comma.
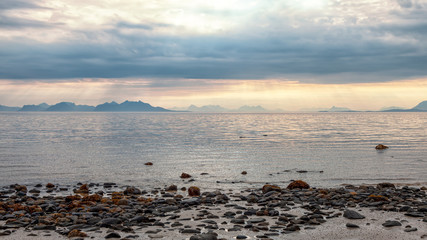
x: 72, y: 198
x: 123, y: 201
x: 50, y: 185
x: 381, y: 147
x: 144, y: 200
x: 298, y: 184
x: 76, y: 233
x: 92, y: 198
x: 323, y: 191
x: 148, y: 163
x: 178, y: 196
x: 185, y: 175
x: 193, y: 191
x: 378, y: 198
x: 21, y: 188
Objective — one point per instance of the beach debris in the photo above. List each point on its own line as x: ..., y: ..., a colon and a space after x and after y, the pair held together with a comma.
x: 381, y: 147
x: 193, y: 191
x: 298, y: 184
x: 185, y: 175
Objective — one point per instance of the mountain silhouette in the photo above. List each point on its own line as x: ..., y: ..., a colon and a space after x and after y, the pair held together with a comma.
x: 10, y: 109
x: 69, y: 107
x: 34, y: 108
x: 128, y: 106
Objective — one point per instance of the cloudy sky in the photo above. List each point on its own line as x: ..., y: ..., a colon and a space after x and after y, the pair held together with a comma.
x: 288, y: 54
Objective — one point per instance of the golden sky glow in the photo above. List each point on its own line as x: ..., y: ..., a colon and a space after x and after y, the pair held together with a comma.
x: 271, y: 94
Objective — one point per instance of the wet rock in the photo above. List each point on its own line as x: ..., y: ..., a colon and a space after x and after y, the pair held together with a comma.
x: 268, y: 188
x: 351, y: 225
x: 76, y: 233
x: 385, y: 185
x: 381, y: 147
x: 148, y: 163
x: 298, y: 184
x: 50, y: 185
x: 113, y: 235
x: 185, y: 175
x: 189, y: 230
x: 172, y: 188
x: 204, y: 236
x: 350, y: 214
x: 244, y: 173
x: 410, y: 229
x: 391, y: 223
x: 132, y: 191
x: 241, y: 237
x: 193, y: 191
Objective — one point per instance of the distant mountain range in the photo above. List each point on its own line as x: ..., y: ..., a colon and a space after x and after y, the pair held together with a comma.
x: 127, y: 106
x: 133, y: 106
x: 219, y: 109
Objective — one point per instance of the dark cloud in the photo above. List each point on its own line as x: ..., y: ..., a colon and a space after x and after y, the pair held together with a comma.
x: 405, y: 3
x: 323, y: 52
x: 17, y: 4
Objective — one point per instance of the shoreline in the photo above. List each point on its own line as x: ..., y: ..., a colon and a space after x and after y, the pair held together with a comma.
x: 382, y: 211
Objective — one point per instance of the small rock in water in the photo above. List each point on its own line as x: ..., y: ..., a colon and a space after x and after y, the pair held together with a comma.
x: 391, y: 223
x: 172, y: 188
x: 50, y: 185
x: 148, y: 163
x: 244, y: 173
x: 185, y: 175
x: 350, y: 214
x: 381, y: 147
x: 204, y: 236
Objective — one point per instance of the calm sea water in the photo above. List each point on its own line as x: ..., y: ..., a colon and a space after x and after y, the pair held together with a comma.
x: 67, y: 148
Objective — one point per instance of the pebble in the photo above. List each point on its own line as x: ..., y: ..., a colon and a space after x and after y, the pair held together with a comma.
x: 113, y: 235
x: 391, y: 223
x: 350, y: 214
x: 351, y: 225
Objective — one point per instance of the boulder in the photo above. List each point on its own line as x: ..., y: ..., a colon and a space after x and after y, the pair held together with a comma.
x: 268, y: 188
x: 193, y: 191
x: 298, y: 184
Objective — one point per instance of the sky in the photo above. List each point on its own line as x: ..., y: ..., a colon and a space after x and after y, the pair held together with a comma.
x: 288, y: 54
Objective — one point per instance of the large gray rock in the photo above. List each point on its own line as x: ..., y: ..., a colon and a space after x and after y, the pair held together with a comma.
x: 350, y: 214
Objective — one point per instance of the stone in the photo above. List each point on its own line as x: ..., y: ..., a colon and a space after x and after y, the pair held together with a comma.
x: 76, y: 233
x: 391, y: 223
x: 241, y: 237
x: 411, y: 229
x: 350, y: 214
x: 189, y: 230
x: 244, y: 173
x: 113, y: 235
x: 256, y: 220
x: 132, y: 191
x: 351, y: 225
x: 50, y: 185
x: 385, y: 185
x: 21, y: 188
x: 148, y: 164
x: 185, y: 175
x: 298, y: 184
x: 172, y: 188
x: 268, y: 188
x: 204, y: 236
x: 193, y: 191
x: 44, y: 227
x: 381, y: 147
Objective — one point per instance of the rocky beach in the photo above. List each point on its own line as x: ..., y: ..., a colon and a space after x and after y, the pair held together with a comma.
x: 293, y: 211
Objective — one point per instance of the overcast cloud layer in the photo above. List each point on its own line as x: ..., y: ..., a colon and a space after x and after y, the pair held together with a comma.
x: 327, y: 41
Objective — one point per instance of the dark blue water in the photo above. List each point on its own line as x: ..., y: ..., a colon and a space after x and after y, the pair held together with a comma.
x: 113, y: 147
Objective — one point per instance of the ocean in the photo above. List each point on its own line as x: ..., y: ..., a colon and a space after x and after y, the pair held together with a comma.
x: 323, y: 149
